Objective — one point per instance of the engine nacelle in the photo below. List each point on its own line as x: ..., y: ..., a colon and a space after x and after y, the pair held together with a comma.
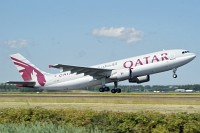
x: 122, y: 74
x: 140, y: 79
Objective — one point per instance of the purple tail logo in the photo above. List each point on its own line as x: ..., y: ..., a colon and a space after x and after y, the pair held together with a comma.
x: 29, y: 71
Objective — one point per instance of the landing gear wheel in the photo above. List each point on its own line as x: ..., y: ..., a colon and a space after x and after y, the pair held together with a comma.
x: 175, y: 76
x: 107, y: 89
x: 101, y: 89
x: 113, y: 91
x: 118, y: 90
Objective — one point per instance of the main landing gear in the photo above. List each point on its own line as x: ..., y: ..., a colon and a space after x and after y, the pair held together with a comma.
x: 174, y: 71
x: 114, y: 90
x: 104, y: 88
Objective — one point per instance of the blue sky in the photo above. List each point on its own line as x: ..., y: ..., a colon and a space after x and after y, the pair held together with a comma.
x: 87, y: 33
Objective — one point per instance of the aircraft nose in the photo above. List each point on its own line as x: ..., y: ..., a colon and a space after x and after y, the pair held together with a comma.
x: 192, y: 56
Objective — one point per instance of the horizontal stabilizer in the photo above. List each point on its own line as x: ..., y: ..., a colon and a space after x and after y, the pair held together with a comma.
x: 22, y: 83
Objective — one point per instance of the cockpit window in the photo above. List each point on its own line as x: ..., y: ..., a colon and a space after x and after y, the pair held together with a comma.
x: 185, y: 52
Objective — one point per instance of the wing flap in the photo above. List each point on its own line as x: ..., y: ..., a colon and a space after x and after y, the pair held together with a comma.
x: 95, y: 72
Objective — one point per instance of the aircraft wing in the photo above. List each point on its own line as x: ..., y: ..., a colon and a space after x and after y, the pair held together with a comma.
x: 22, y: 83
x: 95, y: 72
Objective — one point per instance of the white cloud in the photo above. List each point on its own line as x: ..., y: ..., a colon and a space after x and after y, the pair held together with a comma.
x: 17, y: 44
x: 130, y: 35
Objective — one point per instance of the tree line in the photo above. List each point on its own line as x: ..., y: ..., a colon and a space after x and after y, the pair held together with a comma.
x: 153, y: 88
x: 125, y: 88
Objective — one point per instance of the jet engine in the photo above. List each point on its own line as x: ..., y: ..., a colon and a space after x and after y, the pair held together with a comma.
x: 140, y: 79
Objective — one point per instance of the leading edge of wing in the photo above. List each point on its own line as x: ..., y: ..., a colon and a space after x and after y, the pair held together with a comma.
x: 95, y: 72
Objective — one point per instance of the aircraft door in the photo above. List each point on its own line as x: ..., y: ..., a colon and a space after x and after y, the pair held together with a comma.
x: 172, y: 55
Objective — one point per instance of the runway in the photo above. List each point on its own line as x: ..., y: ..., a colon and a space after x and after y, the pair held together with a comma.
x: 164, y: 103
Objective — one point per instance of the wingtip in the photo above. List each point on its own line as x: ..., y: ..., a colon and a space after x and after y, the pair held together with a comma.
x: 50, y: 66
x: 53, y: 66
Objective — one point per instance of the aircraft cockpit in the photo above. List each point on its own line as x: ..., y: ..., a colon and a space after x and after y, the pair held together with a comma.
x: 184, y: 52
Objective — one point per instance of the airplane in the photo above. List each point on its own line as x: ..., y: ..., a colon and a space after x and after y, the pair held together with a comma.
x: 135, y: 69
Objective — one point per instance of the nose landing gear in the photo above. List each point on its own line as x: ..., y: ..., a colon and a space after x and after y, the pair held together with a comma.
x: 174, y: 71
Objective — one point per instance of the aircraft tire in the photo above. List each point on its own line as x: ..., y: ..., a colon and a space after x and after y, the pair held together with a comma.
x: 118, y: 90
x: 113, y: 91
x: 101, y: 89
x: 107, y: 89
x: 175, y: 76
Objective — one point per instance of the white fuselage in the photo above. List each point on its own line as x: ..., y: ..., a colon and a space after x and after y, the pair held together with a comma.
x: 140, y: 65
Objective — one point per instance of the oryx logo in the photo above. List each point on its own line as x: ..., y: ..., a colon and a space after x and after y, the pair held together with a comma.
x: 28, y: 72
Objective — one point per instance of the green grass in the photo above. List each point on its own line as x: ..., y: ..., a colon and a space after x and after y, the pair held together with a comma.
x: 39, y: 127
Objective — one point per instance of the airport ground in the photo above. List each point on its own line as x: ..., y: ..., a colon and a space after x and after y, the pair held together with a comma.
x: 124, y: 102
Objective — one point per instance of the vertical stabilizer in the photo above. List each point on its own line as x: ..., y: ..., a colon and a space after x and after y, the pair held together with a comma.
x: 28, y: 71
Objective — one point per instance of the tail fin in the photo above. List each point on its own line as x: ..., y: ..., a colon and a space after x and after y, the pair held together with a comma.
x: 28, y: 71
